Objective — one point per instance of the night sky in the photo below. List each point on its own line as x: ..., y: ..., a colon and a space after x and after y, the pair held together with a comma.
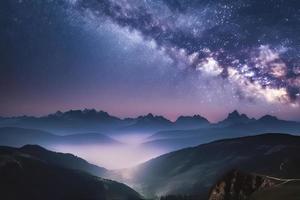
x: 167, y: 57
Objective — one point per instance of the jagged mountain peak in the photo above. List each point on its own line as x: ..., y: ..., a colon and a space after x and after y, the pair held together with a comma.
x: 82, y: 114
x: 268, y: 118
x: 196, y: 117
x: 235, y: 114
x: 191, y: 120
x: 235, y: 117
x: 151, y: 117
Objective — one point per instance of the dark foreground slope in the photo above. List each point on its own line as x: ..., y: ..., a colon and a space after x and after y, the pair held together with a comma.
x: 26, y: 176
x: 65, y: 160
x: 237, y: 185
x: 195, y: 170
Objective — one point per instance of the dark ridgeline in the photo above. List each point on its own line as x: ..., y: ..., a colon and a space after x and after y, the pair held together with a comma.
x: 194, y: 170
x: 33, y: 173
x: 238, y: 185
x: 65, y: 160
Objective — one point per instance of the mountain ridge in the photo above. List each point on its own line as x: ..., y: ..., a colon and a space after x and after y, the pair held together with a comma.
x: 66, y: 160
x: 194, y: 170
x: 28, y: 175
x: 16, y: 137
x: 90, y: 113
x: 91, y: 120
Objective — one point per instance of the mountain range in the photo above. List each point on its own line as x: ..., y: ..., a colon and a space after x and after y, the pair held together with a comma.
x: 98, y: 127
x: 235, y: 125
x: 90, y: 120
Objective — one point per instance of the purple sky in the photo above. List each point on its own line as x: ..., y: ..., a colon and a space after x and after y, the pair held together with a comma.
x: 130, y: 57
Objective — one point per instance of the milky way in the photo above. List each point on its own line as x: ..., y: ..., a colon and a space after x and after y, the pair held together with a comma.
x: 212, y: 51
x: 251, y: 43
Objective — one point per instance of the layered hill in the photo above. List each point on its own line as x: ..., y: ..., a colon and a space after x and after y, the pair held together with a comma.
x: 195, y: 170
x: 65, y: 160
x: 16, y: 137
x: 235, y: 125
x: 34, y: 173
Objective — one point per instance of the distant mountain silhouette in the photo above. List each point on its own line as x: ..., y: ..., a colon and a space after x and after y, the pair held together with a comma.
x: 88, y: 120
x: 86, y: 114
x: 269, y: 118
x: 189, y: 122
x: 16, y: 137
x: 168, y: 136
x: 23, y: 175
x: 235, y: 125
x: 235, y: 118
x: 148, y: 123
x: 195, y: 170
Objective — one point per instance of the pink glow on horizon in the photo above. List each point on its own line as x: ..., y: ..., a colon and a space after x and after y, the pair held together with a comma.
x: 134, y: 107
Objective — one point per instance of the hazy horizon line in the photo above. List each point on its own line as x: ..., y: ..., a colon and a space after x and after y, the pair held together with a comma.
x: 140, y: 115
